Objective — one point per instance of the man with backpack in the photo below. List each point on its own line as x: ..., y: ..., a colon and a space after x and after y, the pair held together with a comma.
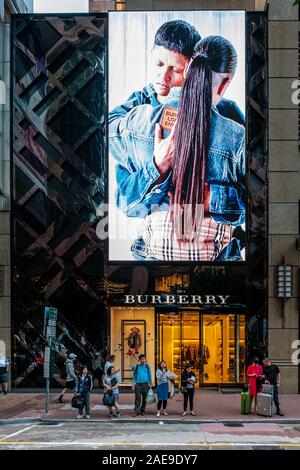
x: 142, y: 382
x: 71, y: 378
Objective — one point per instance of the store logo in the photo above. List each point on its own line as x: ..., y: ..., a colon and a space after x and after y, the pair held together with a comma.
x: 177, y: 299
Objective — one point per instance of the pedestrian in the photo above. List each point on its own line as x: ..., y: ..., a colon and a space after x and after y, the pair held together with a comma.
x: 141, y: 383
x: 4, y: 365
x: 188, y: 383
x: 109, y: 362
x: 271, y: 375
x: 71, y: 379
x: 254, y: 376
x: 84, y: 387
x: 164, y: 379
x: 111, y: 382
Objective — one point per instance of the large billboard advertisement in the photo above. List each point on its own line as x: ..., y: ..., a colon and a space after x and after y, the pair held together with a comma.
x: 177, y: 155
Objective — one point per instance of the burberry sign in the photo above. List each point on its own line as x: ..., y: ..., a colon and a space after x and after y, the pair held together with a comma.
x: 178, y: 299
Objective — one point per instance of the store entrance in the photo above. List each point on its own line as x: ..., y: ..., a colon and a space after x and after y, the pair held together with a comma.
x: 178, y: 340
x: 213, y: 344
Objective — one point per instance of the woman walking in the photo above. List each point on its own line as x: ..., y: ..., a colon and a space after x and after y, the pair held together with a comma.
x: 111, y: 382
x: 164, y: 377
x: 254, y: 375
x: 85, y: 385
x: 188, y: 383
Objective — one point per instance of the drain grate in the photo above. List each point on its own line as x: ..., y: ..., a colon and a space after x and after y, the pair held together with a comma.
x: 268, y: 448
x: 234, y: 425
x: 49, y: 423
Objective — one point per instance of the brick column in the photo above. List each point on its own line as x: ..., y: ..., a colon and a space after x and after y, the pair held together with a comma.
x: 284, y: 183
x: 5, y: 320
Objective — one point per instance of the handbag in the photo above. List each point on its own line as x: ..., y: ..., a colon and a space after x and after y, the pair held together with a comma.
x: 109, y: 399
x: 78, y: 402
x: 268, y: 388
x: 151, y: 398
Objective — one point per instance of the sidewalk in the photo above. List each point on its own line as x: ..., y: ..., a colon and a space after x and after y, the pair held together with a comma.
x: 208, y: 405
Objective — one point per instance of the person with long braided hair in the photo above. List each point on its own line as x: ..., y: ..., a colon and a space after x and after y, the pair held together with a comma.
x: 204, y: 160
x: 207, y: 191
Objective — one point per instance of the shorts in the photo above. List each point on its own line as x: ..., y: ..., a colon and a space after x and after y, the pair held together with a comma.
x: 4, y: 378
x: 71, y: 384
x: 116, y: 395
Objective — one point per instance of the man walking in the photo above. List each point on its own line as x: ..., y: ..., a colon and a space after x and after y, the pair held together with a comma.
x: 142, y: 382
x: 71, y: 379
x: 272, y: 376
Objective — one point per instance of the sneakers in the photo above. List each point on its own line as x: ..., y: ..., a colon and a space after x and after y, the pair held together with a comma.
x: 60, y: 399
x: 158, y: 414
x: 117, y: 414
x: 165, y: 413
x: 87, y: 416
x: 193, y: 414
x: 184, y: 413
x: 79, y: 417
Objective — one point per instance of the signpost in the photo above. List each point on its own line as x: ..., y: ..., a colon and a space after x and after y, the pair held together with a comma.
x: 50, y: 318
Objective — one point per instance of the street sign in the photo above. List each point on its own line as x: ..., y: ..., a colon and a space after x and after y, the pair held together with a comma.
x: 47, y: 360
x: 50, y: 317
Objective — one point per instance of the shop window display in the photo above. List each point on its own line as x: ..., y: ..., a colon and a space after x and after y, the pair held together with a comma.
x: 134, y: 344
x: 132, y: 334
x: 214, y: 345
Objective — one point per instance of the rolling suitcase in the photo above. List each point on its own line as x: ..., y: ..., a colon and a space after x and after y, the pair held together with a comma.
x: 245, y: 403
x: 264, y: 404
x: 267, y: 388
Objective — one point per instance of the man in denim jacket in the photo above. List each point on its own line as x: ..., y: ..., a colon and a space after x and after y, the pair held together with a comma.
x: 225, y: 166
x: 139, y: 181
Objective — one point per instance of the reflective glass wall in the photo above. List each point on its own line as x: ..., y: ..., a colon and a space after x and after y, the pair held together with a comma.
x: 59, y: 174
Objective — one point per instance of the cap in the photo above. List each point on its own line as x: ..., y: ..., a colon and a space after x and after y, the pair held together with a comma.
x: 72, y: 356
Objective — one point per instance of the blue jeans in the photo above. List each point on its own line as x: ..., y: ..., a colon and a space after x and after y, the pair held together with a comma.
x: 86, y: 404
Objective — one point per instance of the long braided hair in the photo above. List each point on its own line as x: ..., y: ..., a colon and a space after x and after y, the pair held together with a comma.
x: 191, y: 138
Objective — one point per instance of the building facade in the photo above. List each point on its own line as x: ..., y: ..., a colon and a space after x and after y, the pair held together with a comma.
x: 6, y: 9
x: 239, y: 314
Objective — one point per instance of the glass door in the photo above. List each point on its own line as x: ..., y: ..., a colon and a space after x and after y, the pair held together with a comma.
x: 214, y: 345
x: 169, y: 341
x: 222, y: 349
x: 191, y: 341
x: 178, y: 341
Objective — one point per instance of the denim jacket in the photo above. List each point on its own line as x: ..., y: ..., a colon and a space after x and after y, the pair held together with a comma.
x: 131, y: 143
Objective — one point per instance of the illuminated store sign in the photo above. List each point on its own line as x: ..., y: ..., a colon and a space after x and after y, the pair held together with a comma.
x: 177, y: 299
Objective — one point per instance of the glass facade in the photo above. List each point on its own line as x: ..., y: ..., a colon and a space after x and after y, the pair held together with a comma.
x: 214, y: 344
x: 59, y: 179
x: 59, y: 174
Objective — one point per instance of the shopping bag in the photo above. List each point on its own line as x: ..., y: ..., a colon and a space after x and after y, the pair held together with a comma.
x: 151, y: 398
